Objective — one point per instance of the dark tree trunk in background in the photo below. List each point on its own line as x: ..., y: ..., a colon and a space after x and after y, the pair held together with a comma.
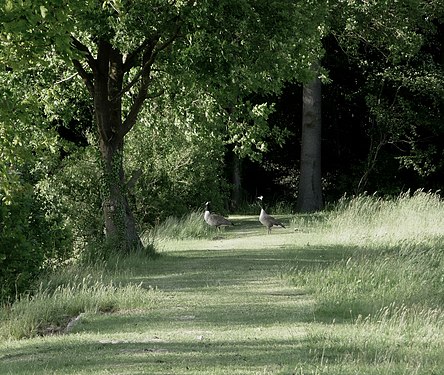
x: 236, y: 196
x: 310, y: 185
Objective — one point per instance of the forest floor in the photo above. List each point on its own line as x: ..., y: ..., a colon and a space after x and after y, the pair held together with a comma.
x: 219, y: 306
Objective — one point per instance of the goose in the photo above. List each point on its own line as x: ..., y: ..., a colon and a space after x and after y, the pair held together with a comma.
x: 213, y: 219
x: 267, y: 220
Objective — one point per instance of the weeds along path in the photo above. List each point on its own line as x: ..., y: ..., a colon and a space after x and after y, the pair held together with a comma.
x: 221, y: 306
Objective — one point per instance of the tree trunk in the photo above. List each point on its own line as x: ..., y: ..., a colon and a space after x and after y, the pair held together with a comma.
x: 236, y: 196
x: 120, y: 227
x: 104, y: 79
x: 310, y: 185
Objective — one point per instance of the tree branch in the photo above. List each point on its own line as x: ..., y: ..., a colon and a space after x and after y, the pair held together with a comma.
x: 149, y: 56
x: 87, y: 78
x: 150, y: 52
x: 131, y: 60
x: 66, y: 79
x: 132, y: 181
x: 84, y: 51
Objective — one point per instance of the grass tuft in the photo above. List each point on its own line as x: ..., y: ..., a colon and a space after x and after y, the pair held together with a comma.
x: 50, y: 309
x: 186, y: 227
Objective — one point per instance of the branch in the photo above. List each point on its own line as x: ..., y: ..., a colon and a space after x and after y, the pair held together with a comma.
x: 136, y: 106
x: 87, y: 78
x: 84, y: 51
x: 132, y: 181
x: 130, y: 61
x: 149, y: 56
x: 66, y: 79
x: 142, y: 72
x: 150, y: 52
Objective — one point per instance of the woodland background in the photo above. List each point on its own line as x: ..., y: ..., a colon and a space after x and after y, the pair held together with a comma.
x: 221, y: 117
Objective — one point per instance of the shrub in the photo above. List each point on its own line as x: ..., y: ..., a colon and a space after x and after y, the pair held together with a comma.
x: 29, y: 241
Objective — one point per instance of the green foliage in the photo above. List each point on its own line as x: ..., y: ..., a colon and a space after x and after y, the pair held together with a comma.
x: 29, y: 241
x: 179, y: 150
x: 403, y: 81
x: 31, y: 237
x: 144, y: 42
x: 73, y: 191
x: 391, y: 28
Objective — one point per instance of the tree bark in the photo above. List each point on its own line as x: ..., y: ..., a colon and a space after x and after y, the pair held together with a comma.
x: 236, y: 195
x: 120, y: 226
x: 104, y: 79
x: 310, y: 184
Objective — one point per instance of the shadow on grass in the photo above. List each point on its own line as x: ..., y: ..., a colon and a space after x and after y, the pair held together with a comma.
x: 202, y: 355
x: 221, y: 311
x: 190, y: 269
x: 155, y: 356
x: 255, y: 280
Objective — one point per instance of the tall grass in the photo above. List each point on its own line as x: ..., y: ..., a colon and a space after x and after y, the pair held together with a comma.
x: 387, y: 291
x: 409, y: 219
x: 394, y: 258
x: 51, y: 307
x: 185, y: 227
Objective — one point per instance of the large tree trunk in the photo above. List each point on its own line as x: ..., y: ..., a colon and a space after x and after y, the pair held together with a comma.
x: 120, y: 227
x: 310, y: 185
x: 104, y: 78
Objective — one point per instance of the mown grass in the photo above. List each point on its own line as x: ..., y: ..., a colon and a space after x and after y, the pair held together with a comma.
x: 357, y: 289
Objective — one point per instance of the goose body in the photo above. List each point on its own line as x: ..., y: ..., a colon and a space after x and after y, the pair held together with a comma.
x: 213, y: 219
x: 266, y: 220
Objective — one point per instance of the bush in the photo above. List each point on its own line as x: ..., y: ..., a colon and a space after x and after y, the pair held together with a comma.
x: 74, y: 193
x: 29, y: 241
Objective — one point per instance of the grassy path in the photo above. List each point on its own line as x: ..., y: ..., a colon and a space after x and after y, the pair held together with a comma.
x: 227, y: 306
x: 220, y: 307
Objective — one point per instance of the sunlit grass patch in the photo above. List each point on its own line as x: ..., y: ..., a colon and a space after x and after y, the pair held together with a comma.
x: 50, y: 309
x: 185, y: 227
x: 371, y: 221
